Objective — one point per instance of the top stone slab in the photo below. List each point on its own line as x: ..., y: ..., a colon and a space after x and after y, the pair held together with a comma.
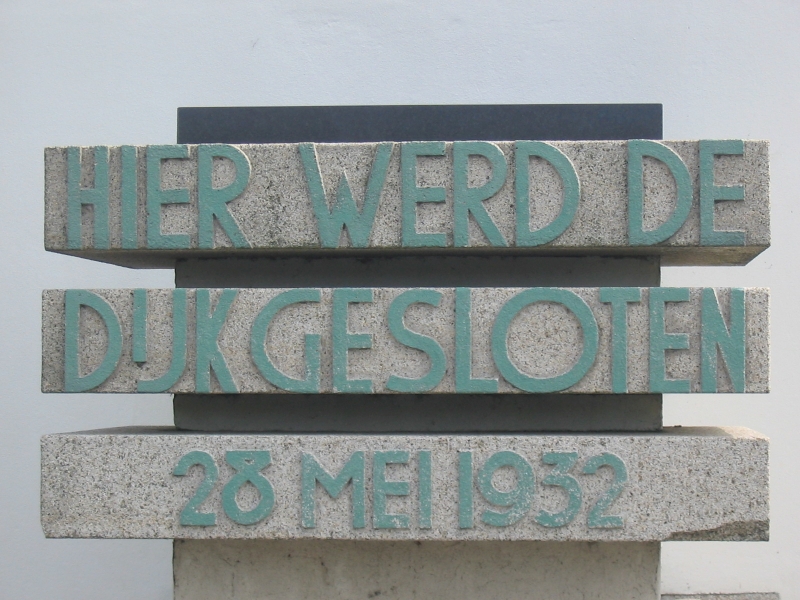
x: 689, y: 202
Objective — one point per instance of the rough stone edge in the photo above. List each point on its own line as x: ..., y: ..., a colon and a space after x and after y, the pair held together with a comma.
x: 743, y: 596
x: 755, y: 531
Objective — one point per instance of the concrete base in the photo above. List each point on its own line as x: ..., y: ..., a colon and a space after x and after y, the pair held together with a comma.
x: 346, y: 570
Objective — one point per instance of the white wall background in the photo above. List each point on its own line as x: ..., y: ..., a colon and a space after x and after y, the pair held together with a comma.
x: 89, y: 72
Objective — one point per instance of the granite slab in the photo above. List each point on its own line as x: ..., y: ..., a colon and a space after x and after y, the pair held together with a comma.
x: 417, y: 340
x: 680, y: 484
x: 689, y: 202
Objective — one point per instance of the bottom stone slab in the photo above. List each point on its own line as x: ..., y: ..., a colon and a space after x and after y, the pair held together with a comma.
x: 679, y: 484
x: 343, y: 570
x: 751, y: 596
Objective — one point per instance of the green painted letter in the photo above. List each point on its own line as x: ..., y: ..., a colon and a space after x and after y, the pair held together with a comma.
x: 465, y: 510
x: 619, y: 298
x: 518, y: 500
x: 413, y: 195
x: 73, y: 300
x: 190, y: 515
x: 213, y: 202
x: 178, y: 363
x: 661, y: 341
x: 469, y: 200
x: 416, y: 340
x: 345, y: 213
x: 637, y: 150
x: 312, y: 473
x: 97, y: 196
x: 156, y: 197
x: 425, y: 481
x: 248, y: 465
x: 382, y: 488
x: 710, y: 194
x: 577, y: 307
x: 130, y: 221
x: 258, y: 340
x: 464, y: 381
x: 569, y: 180
x: 596, y: 517
x: 730, y: 340
x: 209, y: 355
x: 563, y: 462
x: 139, y: 350
x: 343, y: 341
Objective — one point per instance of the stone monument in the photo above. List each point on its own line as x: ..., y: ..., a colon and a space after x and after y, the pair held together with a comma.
x: 410, y: 359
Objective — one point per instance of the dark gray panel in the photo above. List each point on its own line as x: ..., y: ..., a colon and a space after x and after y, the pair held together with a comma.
x: 290, y: 124
x: 419, y: 271
x: 417, y: 413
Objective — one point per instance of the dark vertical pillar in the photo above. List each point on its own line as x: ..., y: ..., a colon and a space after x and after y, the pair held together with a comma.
x: 418, y: 413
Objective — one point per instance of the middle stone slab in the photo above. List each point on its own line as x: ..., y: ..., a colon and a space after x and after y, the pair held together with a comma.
x: 396, y: 340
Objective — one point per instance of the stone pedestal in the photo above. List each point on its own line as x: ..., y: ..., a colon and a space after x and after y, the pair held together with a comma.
x: 312, y: 458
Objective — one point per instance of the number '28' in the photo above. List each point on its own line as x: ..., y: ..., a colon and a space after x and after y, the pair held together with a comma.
x: 248, y: 465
